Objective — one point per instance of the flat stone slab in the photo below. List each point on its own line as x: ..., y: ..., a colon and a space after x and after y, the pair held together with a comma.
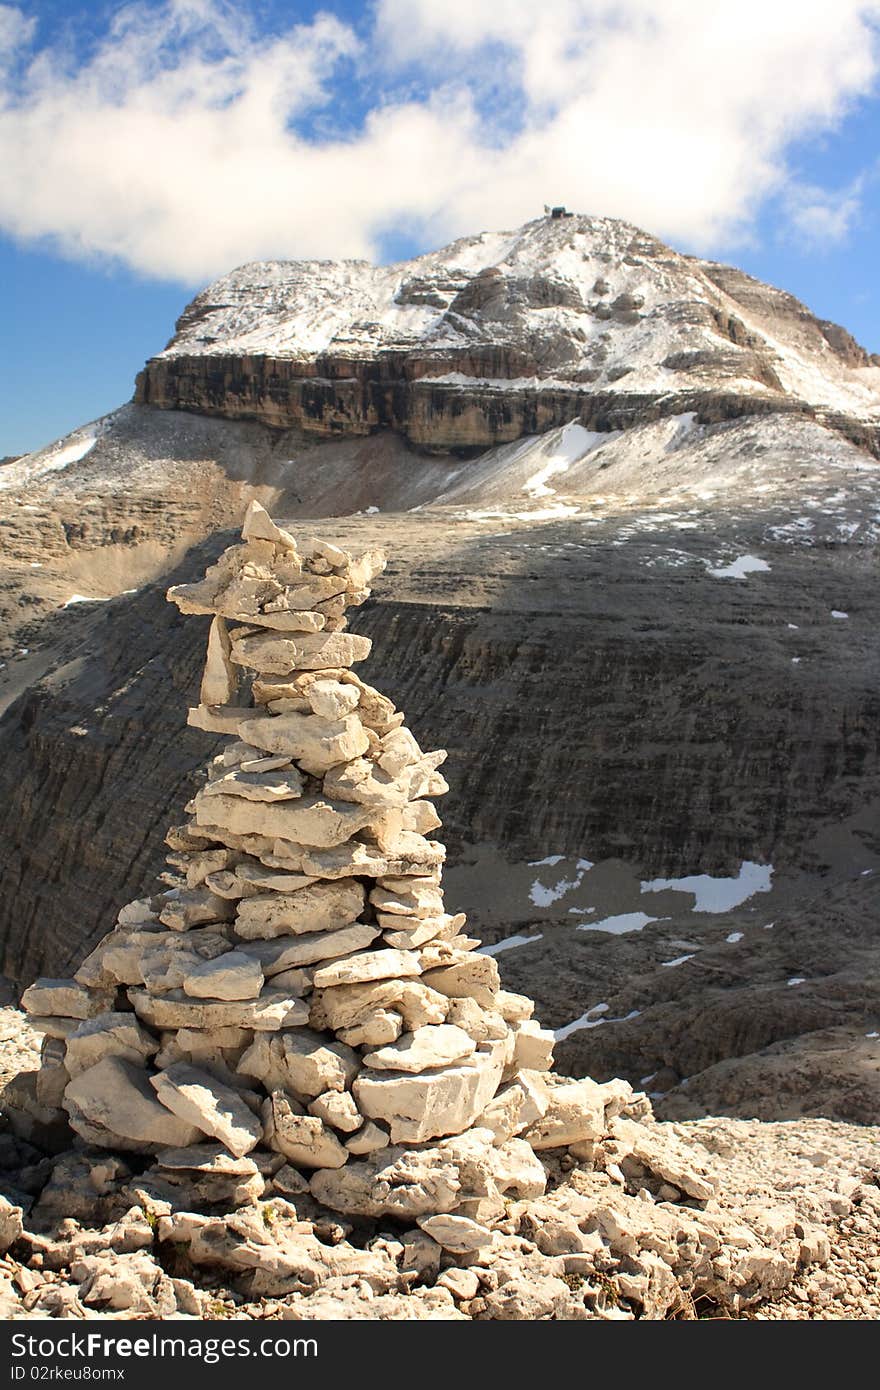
x: 369, y: 965
x: 284, y: 953
x: 426, y: 1106
x: 66, y: 998
x: 200, y: 1099
x: 273, y: 1010
x: 309, y: 820
x: 321, y: 907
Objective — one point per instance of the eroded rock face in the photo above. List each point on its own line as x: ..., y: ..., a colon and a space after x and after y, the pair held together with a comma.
x: 499, y: 337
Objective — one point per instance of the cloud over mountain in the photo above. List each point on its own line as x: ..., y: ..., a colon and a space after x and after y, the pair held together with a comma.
x: 184, y: 140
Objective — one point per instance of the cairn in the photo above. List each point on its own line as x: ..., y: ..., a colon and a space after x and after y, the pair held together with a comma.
x: 296, y: 1007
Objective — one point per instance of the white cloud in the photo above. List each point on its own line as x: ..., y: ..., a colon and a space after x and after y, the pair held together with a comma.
x: 821, y: 217
x: 185, y: 141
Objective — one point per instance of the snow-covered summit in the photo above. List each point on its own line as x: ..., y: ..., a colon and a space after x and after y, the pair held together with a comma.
x: 577, y: 303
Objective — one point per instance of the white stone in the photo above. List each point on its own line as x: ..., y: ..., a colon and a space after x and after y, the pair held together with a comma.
x: 437, y: 1045
x: 292, y: 952
x: 319, y: 907
x: 420, y: 900
x: 347, y: 1006
x: 368, y: 965
x: 476, y: 977
x: 425, y: 1106
x: 65, y: 998
x: 575, y: 1112
x: 194, y: 907
x: 258, y: 525
x: 113, y: 1101
x: 311, y: 652
x: 315, y: 1064
x: 201, y: 1100
x: 533, y: 1046
x: 231, y: 976
x: 309, y: 820
x: 337, y: 1108
x: 456, y: 1233
x: 109, y: 1035
x: 274, y: 1009
x: 305, y: 1140
x: 272, y: 786
x: 332, y: 700
x: 368, y: 1139
x: 220, y: 678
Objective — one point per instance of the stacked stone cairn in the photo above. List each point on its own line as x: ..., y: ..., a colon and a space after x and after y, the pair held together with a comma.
x: 296, y: 1011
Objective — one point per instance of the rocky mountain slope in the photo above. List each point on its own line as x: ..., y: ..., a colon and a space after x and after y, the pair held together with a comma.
x: 632, y: 589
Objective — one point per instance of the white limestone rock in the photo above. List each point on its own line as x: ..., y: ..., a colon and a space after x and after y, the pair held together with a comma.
x: 201, y: 1100
x: 368, y: 1139
x: 308, y: 820
x: 437, y: 1045
x: 272, y: 786
x: 367, y: 861
x: 194, y: 907
x: 305, y: 1140
x: 320, y: 907
x: 331, y: 699
x: 410, y: 933
x: 575, y: 1112
x: 421, y: 899
x: 112, y: 1105
x: 337, y: 1108
x: 257, y: 877
x: 311, y: 652
x: 258, y: 525
x: 109, y: 1035
x: 475, y: 977
x: 375, y: 1030
x: 294, y: 952
x: 65, y: 999
x: 348, y: 1006
x: 426, y: 1106
x: 220, y: 678
x: 456, y: 1233
x: 533, y: 1046
x: 315, y: 1064
x: 367, y: 966
x: 218, y: 719
x: 230, y: 976
x: 272, y: 1010
x: 515, y: 1107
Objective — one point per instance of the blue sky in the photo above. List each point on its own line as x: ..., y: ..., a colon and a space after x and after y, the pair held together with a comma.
x: 148, y: 147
